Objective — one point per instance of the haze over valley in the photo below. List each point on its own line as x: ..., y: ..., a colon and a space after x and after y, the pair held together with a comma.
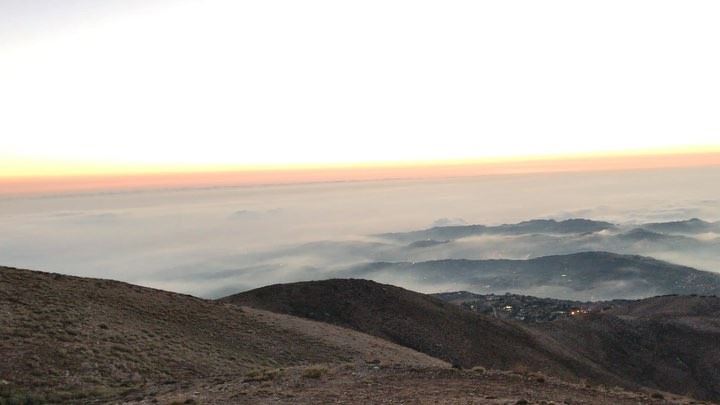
x: 212, y: 242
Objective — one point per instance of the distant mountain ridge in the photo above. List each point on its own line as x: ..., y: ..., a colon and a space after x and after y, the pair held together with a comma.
x: 578, y: 276
x: 529, y: 239
x: 643, y: 234
x: 550, y: 227
x: 689, y: 226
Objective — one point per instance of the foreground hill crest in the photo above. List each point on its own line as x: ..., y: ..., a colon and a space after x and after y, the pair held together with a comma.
x: 633, y: 343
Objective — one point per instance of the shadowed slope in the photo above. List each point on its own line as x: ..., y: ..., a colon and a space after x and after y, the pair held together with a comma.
x: 647, y: 343
x: 670, y: 342
x: 420, y: 322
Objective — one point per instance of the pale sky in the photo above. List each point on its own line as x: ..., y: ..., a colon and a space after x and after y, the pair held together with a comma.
x: 85, y: 87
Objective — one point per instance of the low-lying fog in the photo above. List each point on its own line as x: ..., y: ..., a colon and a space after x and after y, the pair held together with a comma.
x: 210, y: 242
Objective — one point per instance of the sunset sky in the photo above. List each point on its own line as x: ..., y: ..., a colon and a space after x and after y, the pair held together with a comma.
x: 175, y: 86
x: 206, y: 146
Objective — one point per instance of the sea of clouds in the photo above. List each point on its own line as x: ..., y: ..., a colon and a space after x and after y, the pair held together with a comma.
x: 216, y: 241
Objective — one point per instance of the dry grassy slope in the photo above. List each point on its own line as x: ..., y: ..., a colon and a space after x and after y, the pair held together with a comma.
x: 367, y: 384
x: 425, y: 324
x: 79, y: 338
x: 367, y: 348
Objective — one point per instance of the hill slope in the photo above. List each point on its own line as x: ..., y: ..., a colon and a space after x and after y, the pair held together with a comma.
x: 668, y: 341
x: 671, y: 342
x: 76, y: 338
x: 639, y: 343
x: 421, y: 322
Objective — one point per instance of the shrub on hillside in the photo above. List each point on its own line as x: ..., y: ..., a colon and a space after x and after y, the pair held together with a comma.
x: 315, y: 371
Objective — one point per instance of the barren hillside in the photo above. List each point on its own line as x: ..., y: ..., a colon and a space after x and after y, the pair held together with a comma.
x: 76, y: 338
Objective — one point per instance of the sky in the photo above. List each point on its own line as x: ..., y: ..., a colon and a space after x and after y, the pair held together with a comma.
x: 127, y: 127
x: 159, y: 86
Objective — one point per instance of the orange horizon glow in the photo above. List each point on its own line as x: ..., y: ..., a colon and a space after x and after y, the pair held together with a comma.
x: 137, y: 178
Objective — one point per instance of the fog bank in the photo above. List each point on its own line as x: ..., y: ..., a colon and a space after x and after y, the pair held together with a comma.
x: 210, y: 241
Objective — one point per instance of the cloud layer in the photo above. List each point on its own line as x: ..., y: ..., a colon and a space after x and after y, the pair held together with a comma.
x: 214, y: 241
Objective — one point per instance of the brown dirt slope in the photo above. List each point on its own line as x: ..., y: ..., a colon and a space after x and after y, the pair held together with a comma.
x: 77, y: 339
x: 369, y: 384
